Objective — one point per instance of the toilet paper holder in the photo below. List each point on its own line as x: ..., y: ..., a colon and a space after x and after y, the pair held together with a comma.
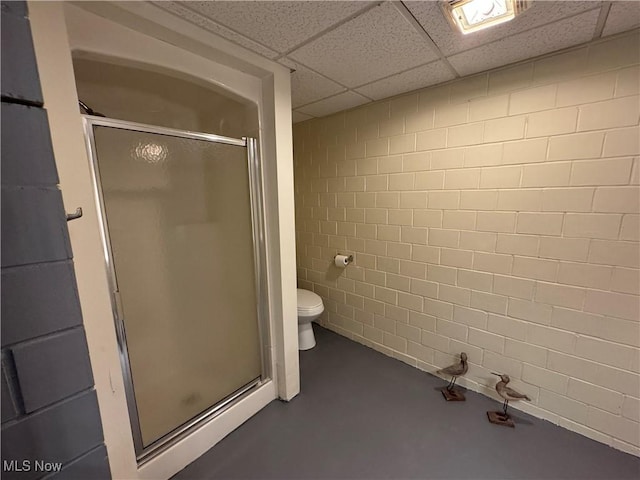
x: 346, y: 258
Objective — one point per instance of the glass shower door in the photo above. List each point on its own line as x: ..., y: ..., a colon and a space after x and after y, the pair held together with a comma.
x: 179, y: 225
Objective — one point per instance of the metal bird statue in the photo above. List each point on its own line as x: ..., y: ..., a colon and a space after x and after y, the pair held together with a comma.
x: 456, y: 370
x: 508, y: 393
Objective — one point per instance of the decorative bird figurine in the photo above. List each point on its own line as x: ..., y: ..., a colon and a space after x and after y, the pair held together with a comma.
x: 456, y: 370
x: 508, y: 393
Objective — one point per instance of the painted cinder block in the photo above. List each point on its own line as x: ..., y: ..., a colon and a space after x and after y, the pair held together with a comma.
x: 431, y: 139
x: 533, y: 99
x: 447, y: 115
x: 576, y: 146
x: 622, y: 141
x: 546, y: 175
x: 561, y: 248
x: 52, y: 368
x: 18, y: 9
x: 391, y: 164
x: 617, y: 426
x: 38, y: 436
x: 513, y: 287
x: 531, y: 311
x: 507, y: 326
x: 606, y: 252
x: 416, y: 162
x: 561, y: 295
x: 593, y: 88
x: 503, y: 222
x: 521, y: 200
x: 552, y: 122
x: 626, y: 280
x: 602, y: 226
x: 492, y: 262
x: 19, y: 72
x: 619, y: 112
x: 27, y: 155
x: 470, y: 134
x: 526, y: 245
x: 483, y: 155
x: 585, y: 275
x: 617, y: 200
x: 628, y: 82
x: 567, y: 199
x: 525, y: 151
x: 9, y: 408
x: 504, y: 129
x: 93, y: 465
x: 475, y: 280
x: 561, y: 66
x: 486, y: 340
x: 478, y: 200
x: 564, y: 406
x: 500, y: 177
x: 525, y: 352
x: 33, y: 226
x: 467, y: 178
x: 478, y: 241
x: 428, y: 218
x: 630, y: 229
x: 539, y: 223
x: 617, y: 52
x: 544, y: 378
x: 470, y: 317
x: 614, y: 304
x: 38, y: 299
x: 488, y: 108
x: 605, y: 352
x: 455, y: 295
x: 443, y: 238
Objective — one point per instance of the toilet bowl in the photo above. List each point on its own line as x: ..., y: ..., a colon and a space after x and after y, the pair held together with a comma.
x: 309, y: 308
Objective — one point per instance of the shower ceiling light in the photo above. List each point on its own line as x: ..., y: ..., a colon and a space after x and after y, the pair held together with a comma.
x: 473, y: 15
x: 151, y: 152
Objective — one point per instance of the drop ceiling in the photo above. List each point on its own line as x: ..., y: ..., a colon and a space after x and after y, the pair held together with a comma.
x: 348, y: 53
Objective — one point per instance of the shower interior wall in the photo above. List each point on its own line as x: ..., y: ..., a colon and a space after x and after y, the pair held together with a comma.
x: 495, y: 215
x: 145, y: 96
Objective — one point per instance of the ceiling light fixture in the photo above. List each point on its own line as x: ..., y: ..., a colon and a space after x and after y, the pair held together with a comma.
x: 473, y: 15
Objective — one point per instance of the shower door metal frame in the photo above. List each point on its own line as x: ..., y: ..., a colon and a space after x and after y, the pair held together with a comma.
x: 143, y: 454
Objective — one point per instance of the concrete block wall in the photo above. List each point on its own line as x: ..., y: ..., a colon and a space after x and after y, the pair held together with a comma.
x: 496, y: 215
x: 50, y: 420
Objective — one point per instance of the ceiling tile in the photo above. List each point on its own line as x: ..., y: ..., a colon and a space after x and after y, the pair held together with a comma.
x: 178, y: 8
x: 622, y: 16
x: 562, y: 34
x: 280, y: 25
x: 431, y: 74
x: 298, y: 117
x: 331, y: 105
x: 450, y: 41
x: 308, y: 86
x: 378, y: 43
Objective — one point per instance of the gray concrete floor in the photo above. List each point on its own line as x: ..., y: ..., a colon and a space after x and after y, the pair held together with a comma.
x: 363, y: 415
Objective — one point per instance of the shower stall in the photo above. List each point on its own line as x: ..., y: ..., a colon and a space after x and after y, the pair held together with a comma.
x: 181, y: 219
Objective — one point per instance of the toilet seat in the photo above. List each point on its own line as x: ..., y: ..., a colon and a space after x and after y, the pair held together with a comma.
x: 309, y: 303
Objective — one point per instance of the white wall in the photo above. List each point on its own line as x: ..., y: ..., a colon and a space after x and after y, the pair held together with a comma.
x: 57, y: 29
x: 496, y: 215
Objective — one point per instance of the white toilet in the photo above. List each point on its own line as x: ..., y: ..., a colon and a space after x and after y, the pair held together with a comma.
x: 309, y: 308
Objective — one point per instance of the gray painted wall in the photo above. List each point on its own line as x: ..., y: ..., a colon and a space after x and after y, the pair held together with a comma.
x: 49, y: 407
